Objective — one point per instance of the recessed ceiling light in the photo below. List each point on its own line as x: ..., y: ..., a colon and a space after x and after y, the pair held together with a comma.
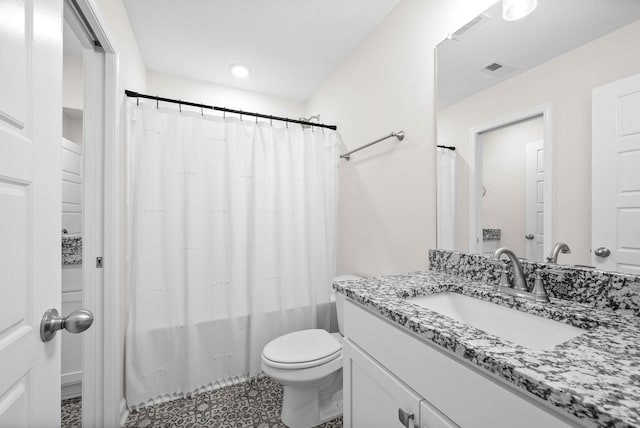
x: 513, y: 10
x: 239, y: 71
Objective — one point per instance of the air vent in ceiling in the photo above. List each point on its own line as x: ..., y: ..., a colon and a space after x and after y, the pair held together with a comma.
x: 498, y: 69
x: 474, y: 23
x: 494, y: 66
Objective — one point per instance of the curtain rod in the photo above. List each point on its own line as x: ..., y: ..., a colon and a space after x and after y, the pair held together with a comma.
x: 134, y: 94
x: 447, y: 147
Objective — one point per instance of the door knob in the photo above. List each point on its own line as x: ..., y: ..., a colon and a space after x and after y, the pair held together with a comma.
x: 529, y: 236
x: 76, y: 322
x: 602, y: 252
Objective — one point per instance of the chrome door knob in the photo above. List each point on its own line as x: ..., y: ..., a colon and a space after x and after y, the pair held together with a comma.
x: 602, y: 252
x: 529, y: 236
x: 76, y: 322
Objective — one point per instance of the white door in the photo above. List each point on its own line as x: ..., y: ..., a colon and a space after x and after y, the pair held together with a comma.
x: 30, y: 131
x: 615, y: 190
x: 534, y: 215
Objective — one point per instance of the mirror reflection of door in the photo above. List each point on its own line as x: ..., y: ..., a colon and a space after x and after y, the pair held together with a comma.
x: 534, y: 203
x: 512, y: 208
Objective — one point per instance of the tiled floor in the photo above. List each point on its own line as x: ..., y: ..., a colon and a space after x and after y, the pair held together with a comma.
x: 246, y: 405
x: 72, y: 413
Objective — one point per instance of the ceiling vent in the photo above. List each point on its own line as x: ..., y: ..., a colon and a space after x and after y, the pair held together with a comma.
x: 474, y: 23
x: 497, y: 69
x: 494, y: 66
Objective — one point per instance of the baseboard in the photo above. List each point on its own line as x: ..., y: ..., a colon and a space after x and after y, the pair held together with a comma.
x: 124, y: 412
x: 71, y: 390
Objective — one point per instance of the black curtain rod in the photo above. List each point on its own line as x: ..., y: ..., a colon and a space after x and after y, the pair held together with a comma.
x: 447, y: 147
x: 134, y: 94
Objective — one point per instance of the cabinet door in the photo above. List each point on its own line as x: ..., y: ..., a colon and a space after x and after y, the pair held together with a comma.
x: 373, y: 397
x: 430, y: 417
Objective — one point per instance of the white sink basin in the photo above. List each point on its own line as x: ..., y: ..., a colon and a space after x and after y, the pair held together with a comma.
x: 521, y: 328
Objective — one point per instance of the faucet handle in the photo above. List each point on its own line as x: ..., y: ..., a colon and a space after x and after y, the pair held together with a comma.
x: 539, y: 292
x: 504, y: 273
x: 495, y: 262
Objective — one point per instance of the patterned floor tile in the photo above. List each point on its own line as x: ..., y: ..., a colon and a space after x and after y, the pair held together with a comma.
x: 254, y: 404
x: 72, y: 413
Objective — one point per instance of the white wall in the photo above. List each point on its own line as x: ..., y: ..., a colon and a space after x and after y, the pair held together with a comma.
x: 169, y: 86
x: 132, y: 71
x: 575, y: 73
x: 72, y: 82
x: 72, y: 125
x: 387, y: 213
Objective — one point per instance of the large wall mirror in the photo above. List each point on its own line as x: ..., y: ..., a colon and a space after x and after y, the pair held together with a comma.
x: 515, y: 100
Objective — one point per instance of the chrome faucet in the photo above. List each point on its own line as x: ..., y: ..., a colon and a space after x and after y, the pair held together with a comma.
x: 519, y: 282
x: 519, y: 286
x: 560, y: 247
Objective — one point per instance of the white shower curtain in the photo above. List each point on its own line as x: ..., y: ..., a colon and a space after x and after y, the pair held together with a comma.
x: 446, y: 201
x: 231, y: 243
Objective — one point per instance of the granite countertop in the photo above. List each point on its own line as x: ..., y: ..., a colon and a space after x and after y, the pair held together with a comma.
x: 595, y: 376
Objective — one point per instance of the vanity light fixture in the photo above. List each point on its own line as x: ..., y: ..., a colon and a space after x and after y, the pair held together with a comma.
x: 240, y: 71
x: 512, y: 10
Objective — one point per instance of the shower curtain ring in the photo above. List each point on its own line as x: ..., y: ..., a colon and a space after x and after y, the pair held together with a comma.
x: 201, y: 110
x: 271, y: 120
x: 180, y: 105
x: 157, y: 104
x: 224, y: 113
x: 256, y: 117
x: 240, y: 115
x: 138, y: 101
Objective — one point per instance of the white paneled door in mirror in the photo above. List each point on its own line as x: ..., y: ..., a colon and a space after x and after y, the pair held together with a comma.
x: 30, y: 131
x: 534, y: 201
x: 615, y: 235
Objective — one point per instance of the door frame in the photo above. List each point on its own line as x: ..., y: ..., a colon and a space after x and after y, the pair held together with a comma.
x: 102, y: 402
x: 475, y: 173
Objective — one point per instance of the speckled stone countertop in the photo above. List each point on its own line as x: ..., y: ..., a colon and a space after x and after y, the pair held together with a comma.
x: 595, y: 376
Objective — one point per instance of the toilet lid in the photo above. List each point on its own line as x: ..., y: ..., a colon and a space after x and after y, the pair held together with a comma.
x: 302, y: 349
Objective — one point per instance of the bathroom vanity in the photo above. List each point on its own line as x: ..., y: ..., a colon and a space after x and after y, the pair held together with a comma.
x: 406, y: 365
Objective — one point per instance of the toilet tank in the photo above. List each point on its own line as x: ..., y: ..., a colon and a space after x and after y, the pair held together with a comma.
x: 339, y: 298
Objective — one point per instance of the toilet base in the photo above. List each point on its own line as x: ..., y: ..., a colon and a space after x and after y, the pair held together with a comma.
x: 306, y: 407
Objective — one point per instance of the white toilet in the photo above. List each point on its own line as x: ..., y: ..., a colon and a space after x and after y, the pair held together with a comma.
x: 308, y: 363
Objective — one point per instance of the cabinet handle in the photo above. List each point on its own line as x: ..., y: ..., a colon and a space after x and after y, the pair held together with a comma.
x: 405, y: 417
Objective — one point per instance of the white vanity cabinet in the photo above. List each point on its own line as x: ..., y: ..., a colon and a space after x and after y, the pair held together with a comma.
x: 374, y: 397
x: 387, y: 368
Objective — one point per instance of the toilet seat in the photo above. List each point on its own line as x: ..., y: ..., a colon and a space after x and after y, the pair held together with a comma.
x: 301, y: 350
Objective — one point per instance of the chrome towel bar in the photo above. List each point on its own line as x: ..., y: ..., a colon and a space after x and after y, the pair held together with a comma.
x: 398, y: 135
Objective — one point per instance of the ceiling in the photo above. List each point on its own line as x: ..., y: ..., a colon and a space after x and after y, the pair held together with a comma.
x: 553, y: 28
x: 290, y: 46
